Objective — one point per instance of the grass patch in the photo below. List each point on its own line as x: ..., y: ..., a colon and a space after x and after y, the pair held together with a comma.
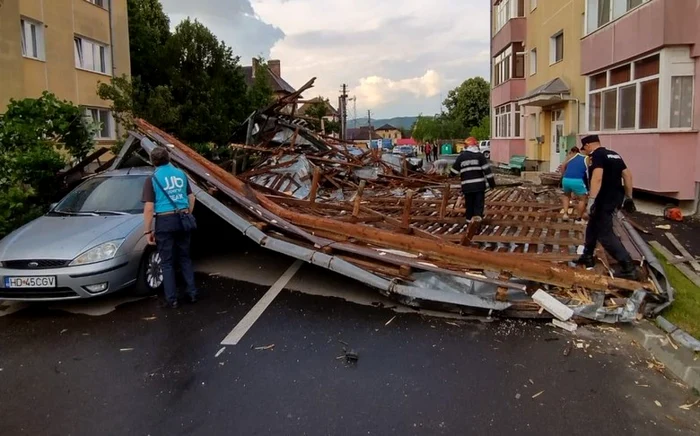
x: 685, y: 310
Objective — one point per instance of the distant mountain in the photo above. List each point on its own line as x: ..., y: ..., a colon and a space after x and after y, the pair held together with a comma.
x: 398, y: 122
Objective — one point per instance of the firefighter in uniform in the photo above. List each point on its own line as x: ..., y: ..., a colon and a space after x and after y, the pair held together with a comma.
x: 475, y: 174
x: 607, y: 195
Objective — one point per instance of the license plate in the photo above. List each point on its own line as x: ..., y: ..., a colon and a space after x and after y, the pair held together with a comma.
x: 30, y: 282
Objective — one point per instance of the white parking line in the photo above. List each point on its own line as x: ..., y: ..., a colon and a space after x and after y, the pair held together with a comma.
x: 249, y: 319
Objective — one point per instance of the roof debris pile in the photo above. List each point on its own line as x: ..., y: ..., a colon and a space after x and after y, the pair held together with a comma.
x: 380, y: 219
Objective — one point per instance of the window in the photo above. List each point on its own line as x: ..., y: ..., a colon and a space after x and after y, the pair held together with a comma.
x: 601, y: 12
x: 631, y: 96
x: 533, y: 5
x: 556, y: 48
x: 105, y: 120
x: 682, y: 101
x: 507, y: 121
x: 505, y: 67
x: 32, y: 39
x: 506, y: 10
x: 533, y: 61
x: 91, y: 56
x: 100, y: 3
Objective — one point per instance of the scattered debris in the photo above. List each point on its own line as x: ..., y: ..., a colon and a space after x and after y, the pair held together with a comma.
x: 567, y: 350
x: 389, y: 322
x: 664, y: 227
x: 657, y: 403
x: 688, y: 406
x: 517, y: 396
x: 568, y: 326
x: 126, y: 349
x: 537, y: 394
x: 552, y: 305
x: 63, y: 331
x: 149, y: 318
x: 266, y: 347
x: 218, y: 353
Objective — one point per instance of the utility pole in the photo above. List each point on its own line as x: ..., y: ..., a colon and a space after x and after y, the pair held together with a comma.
x: 343, y: 107
x: 369, y: 127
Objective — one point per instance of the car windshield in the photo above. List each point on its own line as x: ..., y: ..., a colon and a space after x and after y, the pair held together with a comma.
x: 115, y: 195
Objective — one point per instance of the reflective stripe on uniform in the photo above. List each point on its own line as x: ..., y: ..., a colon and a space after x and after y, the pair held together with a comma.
x: 464, y: 170
x: 464, y: 182
x: 490, y: 176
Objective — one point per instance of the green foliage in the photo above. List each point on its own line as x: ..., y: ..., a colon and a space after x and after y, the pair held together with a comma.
x: 685, y: 310
x: 317, y: 109
x: 332, y: 127
x: 431, y: 129
x: 186, y: 82
x: 483, y: 131
x: 37, y: 136
x: 469, y: 103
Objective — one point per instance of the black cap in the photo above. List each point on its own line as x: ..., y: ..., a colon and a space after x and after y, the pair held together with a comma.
x: 589, y: 140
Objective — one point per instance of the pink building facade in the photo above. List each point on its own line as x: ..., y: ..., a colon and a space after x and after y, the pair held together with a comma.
x: 508, y: 31
x: 642, y: 63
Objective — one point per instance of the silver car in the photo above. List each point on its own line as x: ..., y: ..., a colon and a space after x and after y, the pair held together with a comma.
x: 91, y: 243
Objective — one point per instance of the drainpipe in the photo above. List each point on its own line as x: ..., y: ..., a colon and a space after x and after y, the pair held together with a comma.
x: 111, y: 36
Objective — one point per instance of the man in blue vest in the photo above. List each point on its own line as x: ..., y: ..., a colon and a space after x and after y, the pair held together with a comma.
x: 166, y: 196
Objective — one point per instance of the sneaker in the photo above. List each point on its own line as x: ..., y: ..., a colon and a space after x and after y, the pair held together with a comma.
x: 629, y: 271
x: 586, y: 261
x: 477, y: 219
x: 193, y: 299
x: 565, y: 217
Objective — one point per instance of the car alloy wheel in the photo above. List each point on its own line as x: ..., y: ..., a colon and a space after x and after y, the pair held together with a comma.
x: 154, y: 273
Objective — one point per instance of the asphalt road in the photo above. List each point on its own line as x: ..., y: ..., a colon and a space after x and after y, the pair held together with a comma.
x: 119, y: 366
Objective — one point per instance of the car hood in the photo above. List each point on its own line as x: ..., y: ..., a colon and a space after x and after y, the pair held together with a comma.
x: 58, y: 237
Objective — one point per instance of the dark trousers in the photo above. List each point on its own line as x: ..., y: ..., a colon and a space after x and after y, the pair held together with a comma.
x: 474, y: 202
x: 174, y: 245
x: 600, y: 229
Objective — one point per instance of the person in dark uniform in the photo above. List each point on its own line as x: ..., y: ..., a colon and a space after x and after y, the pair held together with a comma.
x: 436, y: 151
x: 475, y: 174
x: 167, y: 195
x: 607, y: 194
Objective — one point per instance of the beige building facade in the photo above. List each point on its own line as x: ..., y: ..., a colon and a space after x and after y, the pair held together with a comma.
x: 553, y: 107
x: 66, y: 47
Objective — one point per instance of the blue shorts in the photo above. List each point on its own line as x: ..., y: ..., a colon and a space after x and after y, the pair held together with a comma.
x: 574, y: 185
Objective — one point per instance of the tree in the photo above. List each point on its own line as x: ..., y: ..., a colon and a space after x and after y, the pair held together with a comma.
x: 332, y: 127
x: 260, y: 94
x: 483, y: 131
x: 430, y: 129
x: 149, y: 32
x: 469, y: 103
x: 37, y: 137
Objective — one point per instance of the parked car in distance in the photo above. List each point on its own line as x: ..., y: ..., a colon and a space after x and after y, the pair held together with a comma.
x: 90, y: 243
x: 405, y: 150
x: 485, y: 148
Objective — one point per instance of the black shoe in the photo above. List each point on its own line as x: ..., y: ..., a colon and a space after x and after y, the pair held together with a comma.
x: 193, y: 299
x: 586, y: 260
x: 169, y: 305
x: 629, y: 271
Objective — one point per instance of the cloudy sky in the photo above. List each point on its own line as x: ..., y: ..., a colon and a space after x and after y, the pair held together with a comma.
x: 397, y: 56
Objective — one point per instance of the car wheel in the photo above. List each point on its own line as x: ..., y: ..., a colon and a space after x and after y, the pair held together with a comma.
x: 487, y: 154
x: 150, y: 279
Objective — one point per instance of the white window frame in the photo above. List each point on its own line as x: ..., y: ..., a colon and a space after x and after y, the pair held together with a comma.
x: 533, y: 61
x: 533, y: 5
x: 104, y: 4
x: 673, y: 62
x: 504, y: 63
x: 92, y: 55
x: 617, y: 10
x: 553, y: 47
x: 102, y: 115
x: 504, y: 12
x: 505, y: 118
x: 34, y: 30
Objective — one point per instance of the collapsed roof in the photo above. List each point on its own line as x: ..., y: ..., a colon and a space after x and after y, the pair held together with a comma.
x: 378, y: 219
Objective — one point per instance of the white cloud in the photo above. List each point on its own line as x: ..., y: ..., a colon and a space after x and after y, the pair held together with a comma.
x: 378, y: 91
x: 380, y: 49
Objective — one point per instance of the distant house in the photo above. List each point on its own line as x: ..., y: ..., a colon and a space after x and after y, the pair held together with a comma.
x: 279, y: 86
x: 362, y: 135
x: 387, y: 131
x: 406, y: 141
x: 331, y: 112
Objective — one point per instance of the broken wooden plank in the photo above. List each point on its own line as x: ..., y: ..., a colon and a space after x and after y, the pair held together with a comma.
x: 561, y: 311
x: 406, y: 216
x: 358, y: 198
x: 314, y: 186
x: 686, y: 254
x: 684, y: 269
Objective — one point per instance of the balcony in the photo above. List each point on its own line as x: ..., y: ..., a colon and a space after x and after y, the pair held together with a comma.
x: 513, y: 31
x: 509, y: 90
x: 648, y: 28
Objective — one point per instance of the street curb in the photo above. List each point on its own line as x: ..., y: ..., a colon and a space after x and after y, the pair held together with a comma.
x: 677, y: 334
x: 680, y: 361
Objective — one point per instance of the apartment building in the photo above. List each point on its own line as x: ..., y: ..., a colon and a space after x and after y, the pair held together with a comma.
x: 508, y: 84
x: 641, y: 62
x: 66, y: 47
x: 553, y: 104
